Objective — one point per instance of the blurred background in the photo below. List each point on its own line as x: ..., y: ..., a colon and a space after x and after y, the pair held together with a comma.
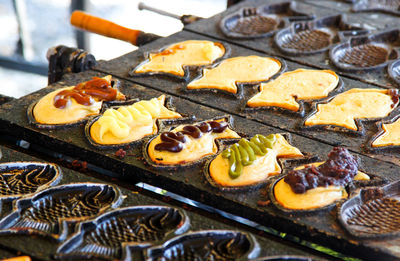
x: 31, y: 27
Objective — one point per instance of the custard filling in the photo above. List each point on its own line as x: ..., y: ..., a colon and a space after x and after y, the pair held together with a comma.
x: 130, y: 123
x: 174, y: 57
x: 236, y: 70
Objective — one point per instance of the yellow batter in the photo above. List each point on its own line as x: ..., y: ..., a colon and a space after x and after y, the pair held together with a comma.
x: 313, y: 198
x: 299, y: 84
x: 390, y: 135
x: 235, y: 70
x: 259, y: 170
x: 45, y: 112
x: 353, y: 104
x: 130, y: 123
x: 193, y: 149
x: 174, y: 57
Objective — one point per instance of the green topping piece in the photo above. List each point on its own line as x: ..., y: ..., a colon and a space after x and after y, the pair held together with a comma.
x: 244, y: 152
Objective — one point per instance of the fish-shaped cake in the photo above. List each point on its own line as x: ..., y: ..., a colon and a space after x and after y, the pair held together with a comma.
x: 289, y: 87
x: 173, y: 58
x: 130, y: 123
x: 389, y: 136
x: 22, y: 178
x: 354, y: 104
x: 106, y: 236
x: 75, y: 103
x: 47, y: 212
x: 232, y: 71
x: 189, y: 143
x: 319, y: 184
x: 249, y: 162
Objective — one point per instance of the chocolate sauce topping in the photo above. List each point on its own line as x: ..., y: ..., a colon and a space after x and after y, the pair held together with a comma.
x: 84, y: 93
x: 338, y: 170
x: 173, y: 141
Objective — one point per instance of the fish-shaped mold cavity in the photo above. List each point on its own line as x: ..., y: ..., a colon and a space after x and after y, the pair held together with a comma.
x: 387, y: 6
x: 373, y: 213
x: 19, y: 179
x: 106, y: 236
x: 188, y: 144
x: 290, y: 87
x: 346, y: 109
x: 129, y: 123
x: 173, y: 58
x: 49, y: 212
x: 206, y: 245
x: 72, y: 105
x: 366, y: 52
x: 231, y: 72
x: 309, y: 37
x: 250, y: 162
x: 262, y: 21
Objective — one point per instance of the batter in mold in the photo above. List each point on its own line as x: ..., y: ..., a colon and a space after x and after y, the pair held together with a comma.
x: 188, y: 53
x: 189, y: 143
x: 74, y: 103
x: 130, y: 123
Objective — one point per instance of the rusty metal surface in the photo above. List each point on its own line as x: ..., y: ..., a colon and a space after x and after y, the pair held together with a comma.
x: 373, y: 21
x: 43, y: 249
x: 321, y: 228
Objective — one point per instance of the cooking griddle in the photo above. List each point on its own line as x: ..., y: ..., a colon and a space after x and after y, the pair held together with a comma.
x: 281, y: 119
x: 43, y: 248
x: 372, y: 21
x: 321, y: 228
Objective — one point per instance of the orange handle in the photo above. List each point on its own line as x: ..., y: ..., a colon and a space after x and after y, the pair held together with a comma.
x: 19, y: 258
x: 104, y: 27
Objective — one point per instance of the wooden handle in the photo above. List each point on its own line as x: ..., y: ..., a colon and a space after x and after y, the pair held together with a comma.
x: 104, y: 27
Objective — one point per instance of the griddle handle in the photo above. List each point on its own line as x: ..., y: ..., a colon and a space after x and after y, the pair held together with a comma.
x: 106, y: 28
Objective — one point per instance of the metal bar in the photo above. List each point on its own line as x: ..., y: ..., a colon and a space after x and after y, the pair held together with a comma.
x: 143, y: 6
x: 23, y: 65
x: 81, y: 37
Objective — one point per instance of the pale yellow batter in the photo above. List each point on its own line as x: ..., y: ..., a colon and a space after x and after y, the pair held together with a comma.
x: 235, y: 70
x: 353, y: 104
x: 45, y: 112
x: 130, y: 123
x: 390, y: 136
x: 193, y: 149
x: 313, y: 198
x: 300, y: 84
x: 174, y: 57
x: 259, y: 170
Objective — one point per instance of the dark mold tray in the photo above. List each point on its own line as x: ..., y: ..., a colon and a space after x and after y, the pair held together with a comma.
x: 106, y: 236
x: 366, y: 52
x: 190, y: 182
x: 19, y: 179
x: 206, y: 245
x: 252, y: 22
x: 373, y: 213
x: 387, y: 6
x: 315, y: 36
x: 49, y: 212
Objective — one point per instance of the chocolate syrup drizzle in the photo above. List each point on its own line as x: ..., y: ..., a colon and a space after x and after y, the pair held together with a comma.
x: 173, y: 141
